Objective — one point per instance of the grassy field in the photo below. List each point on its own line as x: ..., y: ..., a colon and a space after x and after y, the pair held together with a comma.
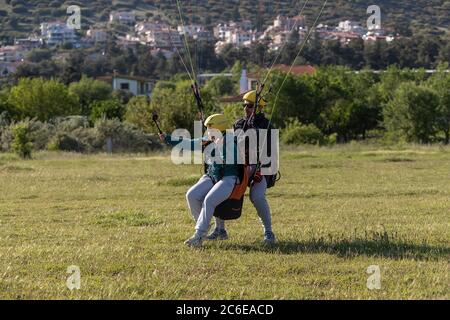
x: 123, y: 220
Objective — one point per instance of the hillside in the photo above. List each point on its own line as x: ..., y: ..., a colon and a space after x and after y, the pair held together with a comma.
x: 20, y: 17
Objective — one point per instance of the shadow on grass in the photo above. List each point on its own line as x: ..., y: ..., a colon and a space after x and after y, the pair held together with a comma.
x: 350, y: 248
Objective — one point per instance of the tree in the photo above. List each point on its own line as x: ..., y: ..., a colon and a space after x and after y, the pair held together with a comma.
x: 220, y: 86
x: 43, y: 99
x: 109, y: 109
x: 177, y: 106
x: 412, y: 113
x: 89, y: 90
x: 71, y: 69
x: 21, y: 144
x: 38, y: 55
x: 444, y: 52
x: 440, y: 82
x: 291, y: 47
x: 139, y: 113
x: 6, y: 110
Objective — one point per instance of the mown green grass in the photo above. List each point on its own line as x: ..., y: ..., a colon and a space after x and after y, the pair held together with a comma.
x: 123, y: 220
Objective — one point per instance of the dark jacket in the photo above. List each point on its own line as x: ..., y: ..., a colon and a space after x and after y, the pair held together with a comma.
x: 259, y: 122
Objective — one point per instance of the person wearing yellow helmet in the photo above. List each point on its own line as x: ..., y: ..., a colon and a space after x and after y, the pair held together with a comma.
x: 250, y: 99
x: 217, y: 184
x: 253, y: 119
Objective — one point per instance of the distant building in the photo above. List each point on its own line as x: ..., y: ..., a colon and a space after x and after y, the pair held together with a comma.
x: 281, y: 29
x: 196, y: 32
x: 190, y: 30
x: 142, y: 28
x: 97, y: 35
x: 205, y: 35
x: 377, y: 35
x: 13, y: 53
x: 168, y: 54
x: 351, y: 27
x: 164, y: 39
x: 283, y: 23
x: 28, y: 43
x: 138, y: 86
x: 128, y: 42
x: 343, y: 37
x: 58, y: 33
x: 240, y: 37
x: 220, y: 31
x: 123, y: 17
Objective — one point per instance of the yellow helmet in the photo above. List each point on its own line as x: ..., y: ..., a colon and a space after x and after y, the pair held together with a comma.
x: 217, y: 121
x: 250, y: 97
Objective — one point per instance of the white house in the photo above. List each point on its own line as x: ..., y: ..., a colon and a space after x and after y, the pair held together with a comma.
x: 57, y: 33
x: 351, y: 26
x: 164, y: 39
x: 12, y: 53
x: 29, y: 43
x: 125, y: 17
x: 142, y: 28
x: 190, y: 30
x: 97, y: 35
x: 138, y: 86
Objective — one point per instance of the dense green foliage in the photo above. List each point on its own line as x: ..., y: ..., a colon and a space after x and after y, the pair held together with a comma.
x: 110, y: 109
x: 21, y: 143
x: 408, y: 104
x: 335, y: 104
x: 89, y: 91
x: 42, y: 99
x: 73, y: 134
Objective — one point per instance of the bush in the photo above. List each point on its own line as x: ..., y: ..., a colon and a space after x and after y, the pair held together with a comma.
x: 413, y: 113
x: 109, y: 109
x: 43, y: 99
x: 297, y: 133
x: 65, y: 142
x: 22, y: 145
x: 139, y: 113
x: 126, y: 137
x: 89, y: 90
x: 39, y: 55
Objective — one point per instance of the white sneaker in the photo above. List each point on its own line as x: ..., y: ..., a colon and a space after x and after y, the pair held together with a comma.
x: 218, y: 234
x: 195, y: 241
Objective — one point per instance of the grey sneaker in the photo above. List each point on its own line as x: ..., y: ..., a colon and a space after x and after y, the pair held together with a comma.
x: 218, y: 234
x: 195, y: 241
x: 269, y: 237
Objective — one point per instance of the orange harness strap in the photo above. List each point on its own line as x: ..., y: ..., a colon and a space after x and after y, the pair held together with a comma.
x: 239, y: 189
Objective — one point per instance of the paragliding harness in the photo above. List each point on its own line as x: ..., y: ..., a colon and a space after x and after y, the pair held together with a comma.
x: 230, y: 209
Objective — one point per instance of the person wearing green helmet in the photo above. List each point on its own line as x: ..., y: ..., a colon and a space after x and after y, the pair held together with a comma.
x: 217, y: 184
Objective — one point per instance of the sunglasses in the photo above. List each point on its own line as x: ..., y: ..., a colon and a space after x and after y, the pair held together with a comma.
x: 248, y: 105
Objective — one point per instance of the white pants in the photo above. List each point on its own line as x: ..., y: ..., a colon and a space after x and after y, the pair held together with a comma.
x: 204, y: 197
x: 259, y: 201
